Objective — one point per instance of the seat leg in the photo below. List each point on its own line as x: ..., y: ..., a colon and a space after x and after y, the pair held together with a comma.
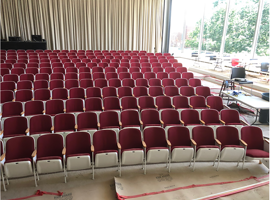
x: 34, y: 172
x: 193, y: 165
x: 93, y: 170
x: 7, y: 181
x: 218, y: 163
x: 244, y: 159
x: 238, y: 163
x: 120, y: 172
x: 3, y: 180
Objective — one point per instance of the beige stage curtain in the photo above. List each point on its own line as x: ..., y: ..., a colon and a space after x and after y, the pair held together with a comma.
x: 86, y: 24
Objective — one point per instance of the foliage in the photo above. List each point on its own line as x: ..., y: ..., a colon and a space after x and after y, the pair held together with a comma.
x: 240, y: 32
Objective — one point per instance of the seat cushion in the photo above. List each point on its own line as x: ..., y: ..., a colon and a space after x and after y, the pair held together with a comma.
x: 153, y: 148
x: 50, y: 158
x: 206, y: 146
x: 87, y: 129
x: 175, y: 147
x: 144, y: 125
x: 43, y: 132
x: 109, y: 127
x: 79, y: 154
x: 131, y: 126
x: 133, y: 149
x: 233, y: 146
x: 18, y: 160
x: 173, y: 124
x: 13, y: 135
x: 257, y: 153
x: 192, y: 124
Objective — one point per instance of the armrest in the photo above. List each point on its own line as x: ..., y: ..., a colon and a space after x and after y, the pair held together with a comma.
x: 133, y: 95
x: 156, y: 106
x: 27, y: 130
x: 83, y: 109
x: 64, y: 151
x: 43, y: 111
x: 118, y: 145
x: 196, y: 95
x: 202, y: 122
x: 139, y: 107
x: 169, y: 143
x: 148, y: 95
x: 22, y: 113
x: 182, y: 122
x: 161, y: 122
x: 190, y: 106
x: 218, y: 142
x: 244, y: 122
x: 243, y: 142
x: 34, y: 153
x: 98, y: 124
x: 65, y: 110
x: 92, y: 148
x: 120, y: 123
x: 121, y: 107
x: 222, y: 121
x: 3, y: 156
x: 208, y: 106
x: 173, y: 106
x: 165, y: 95
x: 13, y: 100
x: 2, y: 132
x: 266, y: 140
x: 102, y: 108
x: 141, y: 122
x: 144, y: 144
x: 76, y: 126
x: 193, y: 142
x: 52, y: 128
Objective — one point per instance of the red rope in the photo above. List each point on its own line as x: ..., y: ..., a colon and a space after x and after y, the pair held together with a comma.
x: 40, y: 193
x: 122, y: 197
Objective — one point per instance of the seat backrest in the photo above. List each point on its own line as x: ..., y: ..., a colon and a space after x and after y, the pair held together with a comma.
x: 33, y: 107
x: 203, y: 135
x: 93, y: 92
x: 190, y: 116
x: 49, y: 145
x: 60, y: 93
x: 150, y: 116
x: 180, y: 102
x: 111, y: 103
x: 87, y: 120
x: 19, y: 147
x: 74, y: 105
x: 154, y: 137
x: 109, y: 92
x: 210, y: 116
x: 253, y: 136
x: 227, y: 135
x: 146, y: 102
x: 187, y: 91
x: 163, y: 102
x: 124, y: 91
x: 64, y: 122
x: 140, y: 91
x: 215, y: 102
x: 104, y: 140
x: 179, y: 136
x: 171, y: 91
x: 108, y: 118
x: 82, y: 144
x: 230, y: 116
x: 130, y: 138
x: 170, y: 116
x: 129, y: 102
x: 54, y: 106
x: 203, y: 91
x: 155, y: 91
x: 197, y: 101
x: 130, y: 117
x: 93, y: 104
x: 12, y: 109
x: 40, y: 124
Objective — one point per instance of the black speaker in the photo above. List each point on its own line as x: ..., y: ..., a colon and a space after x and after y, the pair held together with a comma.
x: 36, y: 38
x: 264, y: 116
x: 14, y: 38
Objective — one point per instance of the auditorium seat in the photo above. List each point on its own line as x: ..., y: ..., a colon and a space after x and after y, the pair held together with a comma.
x: 124, y: 91
x: 203, y: 91
x: 130, y: 119
x: 10, y: 109
x: 42, y: 94
x: 54, y: 106
x: 78, y: 154
x: 150, y: 117
x: 129, y: 102
x: 169, y: 117
x: 35, y: 107
x: 230, y: 148
x: 60, y: 93
x: 131, y: 148
x: 155, y: 146
x: 205, y: 146
x: 76, y: 92
x: 64, y: 123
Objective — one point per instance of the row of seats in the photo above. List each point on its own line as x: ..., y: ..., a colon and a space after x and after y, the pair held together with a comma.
x: 116, y: 119
x: 97, y: 72
x: 24, y: 95
x: 54, y: 153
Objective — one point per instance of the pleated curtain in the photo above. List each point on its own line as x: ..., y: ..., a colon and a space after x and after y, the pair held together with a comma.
x: 86, y: 24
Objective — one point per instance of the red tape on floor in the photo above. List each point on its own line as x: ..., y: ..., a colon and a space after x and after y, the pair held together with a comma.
x: 40, y: 193
x: 122, y: 197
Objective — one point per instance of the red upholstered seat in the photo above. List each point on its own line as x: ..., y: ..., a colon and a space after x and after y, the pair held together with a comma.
x: 257, y: 153
x: 190, y: 117
x: 170, y: 117
x: 87, y: 121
